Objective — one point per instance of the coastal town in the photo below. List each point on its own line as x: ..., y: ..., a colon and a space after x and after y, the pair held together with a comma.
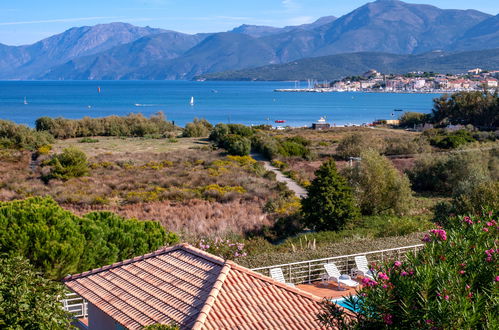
x: 412, y: 82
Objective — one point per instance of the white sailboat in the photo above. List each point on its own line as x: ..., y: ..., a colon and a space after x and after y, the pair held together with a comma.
x: 25, y: 101
x: 191, y: 102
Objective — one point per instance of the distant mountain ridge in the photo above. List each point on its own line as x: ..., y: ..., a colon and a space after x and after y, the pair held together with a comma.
x: 123, y: 51
x: 338, y: 66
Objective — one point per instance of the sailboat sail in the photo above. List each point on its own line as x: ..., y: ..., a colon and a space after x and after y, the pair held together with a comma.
x: 25, y: 101
x: 192, y: 100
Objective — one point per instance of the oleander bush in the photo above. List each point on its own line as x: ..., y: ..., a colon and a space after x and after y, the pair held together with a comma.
x: 451, y: 284
x: 14, y: 136
x: 134, y: 125
x: 58, y: 243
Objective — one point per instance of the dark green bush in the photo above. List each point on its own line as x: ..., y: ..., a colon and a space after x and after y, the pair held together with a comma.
x: 71, y: 163
x: 237, y: 145
x: 58, y: 242
x: 330, y: 204
x: 452, y: 140
x: 480, y: 109
x: 15, y: 136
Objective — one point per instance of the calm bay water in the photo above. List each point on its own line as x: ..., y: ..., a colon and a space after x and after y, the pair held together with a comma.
x: 236, y: 102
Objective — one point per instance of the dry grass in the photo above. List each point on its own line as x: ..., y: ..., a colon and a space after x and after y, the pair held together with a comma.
x: 194, y: 191
x: 195, y: 217
x: 131, y: 145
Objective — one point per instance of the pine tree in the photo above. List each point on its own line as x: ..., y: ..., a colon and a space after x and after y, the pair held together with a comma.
x: 330, y: 203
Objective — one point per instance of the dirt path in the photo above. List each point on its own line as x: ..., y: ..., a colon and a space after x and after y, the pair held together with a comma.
x: 292, y: 185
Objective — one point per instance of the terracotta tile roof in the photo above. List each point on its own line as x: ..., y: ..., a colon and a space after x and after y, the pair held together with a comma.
x: 196, y: 290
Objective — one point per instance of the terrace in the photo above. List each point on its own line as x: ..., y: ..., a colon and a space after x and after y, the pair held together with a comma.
x: 306, y: 275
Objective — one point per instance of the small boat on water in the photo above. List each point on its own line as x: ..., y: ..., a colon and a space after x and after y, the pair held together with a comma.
x: 191, y: 102
x: 25, y: 101
x: 280, y: 121
x: 398, y: 110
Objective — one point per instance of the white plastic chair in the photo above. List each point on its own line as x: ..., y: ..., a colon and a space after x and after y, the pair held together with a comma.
x: 334, y: 274
x: 362, y: 267
x: 276, y: 274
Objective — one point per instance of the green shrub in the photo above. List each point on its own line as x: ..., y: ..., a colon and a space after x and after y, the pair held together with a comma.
x: 135, y: 125
x: 15, y: 136
x: 406, y: 146
x: 480, y: 109
x: 330, y: 204
x: 411, y: 119
x: 353, y: 145
x: 451, y: 284
x: 378, y: 186
x: 445, y: 174
x: 88, y: 140
x: 237, y: 145
x: 58, y: 243
x: 452, y: 140
x: 198, y: 128
x: 27, y: 300
x: 71, y: 163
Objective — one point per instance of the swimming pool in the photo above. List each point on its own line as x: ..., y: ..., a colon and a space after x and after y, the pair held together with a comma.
x: 343, y: 303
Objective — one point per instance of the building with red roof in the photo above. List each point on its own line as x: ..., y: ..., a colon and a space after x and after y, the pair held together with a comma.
x: 191, y: 288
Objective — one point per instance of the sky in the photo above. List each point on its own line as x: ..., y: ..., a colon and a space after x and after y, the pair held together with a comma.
x: 27, y: 21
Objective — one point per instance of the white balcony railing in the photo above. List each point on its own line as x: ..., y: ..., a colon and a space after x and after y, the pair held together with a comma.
x: 313, y: 270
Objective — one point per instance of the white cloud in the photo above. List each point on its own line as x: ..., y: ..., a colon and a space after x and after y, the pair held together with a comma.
x: 290, y: 4
x: 300, y: 20
x: 59, y: 20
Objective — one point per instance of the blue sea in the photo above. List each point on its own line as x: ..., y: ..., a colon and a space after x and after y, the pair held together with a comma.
x: 228, y: 102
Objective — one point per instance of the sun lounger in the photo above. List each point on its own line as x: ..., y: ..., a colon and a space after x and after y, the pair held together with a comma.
x: 276, y: 274
x: 362, y: 267
x: 334, y: 274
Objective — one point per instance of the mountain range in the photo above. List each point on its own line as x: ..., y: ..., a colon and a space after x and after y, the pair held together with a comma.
x: 389, y: 28
x: 335, y: 67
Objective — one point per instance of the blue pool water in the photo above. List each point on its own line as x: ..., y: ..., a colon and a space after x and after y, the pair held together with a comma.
x: 221, y: 101
x: 342, y: 303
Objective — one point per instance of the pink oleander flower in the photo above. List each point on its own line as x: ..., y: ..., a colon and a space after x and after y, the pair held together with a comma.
x: 388, y: 318
x: 446, y: 297
x: 490, y: 224
x: 383, y: 276
x: 467, y: 287
x: 426, y: 238
x: 462, y: 272
x: 368, y: 282
x: 397, y: 263
x: 440, y: 233
x: 485, y: 229
x: 429, y: 321
x: 385, y: 286
x: 468, y: 220
x: 497, y: 278
x: 404, y: 273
